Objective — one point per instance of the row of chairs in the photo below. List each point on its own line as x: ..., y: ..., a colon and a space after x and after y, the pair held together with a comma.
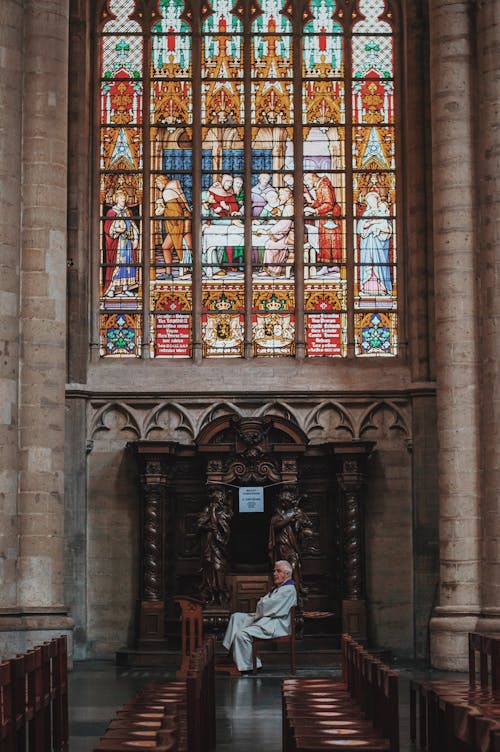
x: 172, y: 716
x: 358, y: 711
x: 460, y: 715
x: 34, y: 699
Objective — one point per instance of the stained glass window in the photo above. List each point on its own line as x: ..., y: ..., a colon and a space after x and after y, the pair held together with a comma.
x: 247, y: 179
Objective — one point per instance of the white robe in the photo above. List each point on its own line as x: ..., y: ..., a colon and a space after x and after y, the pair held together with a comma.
x: 271, y: 619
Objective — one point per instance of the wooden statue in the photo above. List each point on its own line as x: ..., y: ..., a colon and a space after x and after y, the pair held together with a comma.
x: 290, y: 533
x: 214, y: 530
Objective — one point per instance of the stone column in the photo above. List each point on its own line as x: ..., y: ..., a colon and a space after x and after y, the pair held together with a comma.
x: 43, y: 318
x: 11, y: 24
x: 488, y: 161
x: 452, y: 85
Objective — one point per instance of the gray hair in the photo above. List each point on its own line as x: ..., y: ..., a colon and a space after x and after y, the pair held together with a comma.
x: 284, y: 564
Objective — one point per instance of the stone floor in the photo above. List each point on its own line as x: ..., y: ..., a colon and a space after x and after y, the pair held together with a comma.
x: 248, y: 707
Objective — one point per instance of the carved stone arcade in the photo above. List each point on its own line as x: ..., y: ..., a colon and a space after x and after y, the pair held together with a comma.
x: 232, y: 452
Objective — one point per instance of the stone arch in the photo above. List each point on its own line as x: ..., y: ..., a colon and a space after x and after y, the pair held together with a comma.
x: 169, y: 420
x: 101, y: 421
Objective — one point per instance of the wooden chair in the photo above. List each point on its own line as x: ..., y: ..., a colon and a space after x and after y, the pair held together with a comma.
x: 286, y: 639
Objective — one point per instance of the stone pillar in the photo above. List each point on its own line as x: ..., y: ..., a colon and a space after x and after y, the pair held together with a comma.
x: 43, y: 320
x: 488, y: 162
x: 452, y: 115
x: 11, y: 25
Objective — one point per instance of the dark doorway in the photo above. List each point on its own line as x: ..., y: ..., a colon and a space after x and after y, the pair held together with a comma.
x: 248, y: 545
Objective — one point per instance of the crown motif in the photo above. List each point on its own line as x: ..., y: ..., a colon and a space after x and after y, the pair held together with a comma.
x: 274, y: 304
x: 223, y: 304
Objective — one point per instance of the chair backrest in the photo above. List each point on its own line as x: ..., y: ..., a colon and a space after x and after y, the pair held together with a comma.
x: 474, y: 647
x: 293, y: 622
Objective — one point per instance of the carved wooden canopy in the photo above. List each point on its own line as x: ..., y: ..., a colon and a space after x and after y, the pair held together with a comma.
x: 262, y: 449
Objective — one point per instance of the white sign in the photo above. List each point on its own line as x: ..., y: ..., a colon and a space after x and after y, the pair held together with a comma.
x: 251, y: 499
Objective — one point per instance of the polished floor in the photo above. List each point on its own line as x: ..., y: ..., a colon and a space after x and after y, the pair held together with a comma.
x: 248, y: 707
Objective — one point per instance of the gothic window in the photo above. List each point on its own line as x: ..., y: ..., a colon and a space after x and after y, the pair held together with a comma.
x: 247, y: 178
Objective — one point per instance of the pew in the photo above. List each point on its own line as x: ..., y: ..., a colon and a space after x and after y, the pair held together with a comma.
x: 454, y: 713
x: 172, y: 715
x: 358, y: 711
x: 6, y: 709
x: 34, y: 700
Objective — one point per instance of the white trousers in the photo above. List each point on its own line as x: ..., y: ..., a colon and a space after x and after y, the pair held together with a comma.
x: 238, y: 638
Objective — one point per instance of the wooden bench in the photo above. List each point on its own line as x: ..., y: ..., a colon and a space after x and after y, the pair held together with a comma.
x: 175, y: 715
x: 455, y: 712
x: 33, y: 699
x: 358, y: 711
x: 7, y: 732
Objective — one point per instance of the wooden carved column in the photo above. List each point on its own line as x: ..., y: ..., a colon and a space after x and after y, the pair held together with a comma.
x: 152, y: 606
x: 351, y: 477
x: 155, y: 472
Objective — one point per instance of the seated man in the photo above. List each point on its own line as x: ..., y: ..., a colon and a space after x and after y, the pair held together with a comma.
x: 271, y: 618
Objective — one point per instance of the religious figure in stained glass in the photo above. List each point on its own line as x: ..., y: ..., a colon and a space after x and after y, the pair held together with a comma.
x: 260, y: 193
x: 319, y: 195
x: 280, y: 236
x: 121, y: 242
x: 176, y: 225
x: 374, y: 230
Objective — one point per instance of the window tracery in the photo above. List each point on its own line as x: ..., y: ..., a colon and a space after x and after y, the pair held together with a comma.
x: 247, y: 178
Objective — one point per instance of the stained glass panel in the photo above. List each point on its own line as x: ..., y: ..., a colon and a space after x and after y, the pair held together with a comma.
x: 223, y: 243
x: 372, y: 10
x: 273, y: 321
x: 373, y: 148
x: 373, y: 101
x: 171, y: 184
x: 272, y: 102
x: 246, y: 74
x: 122, y: 52
x: 222, y: 102
x: 221, y: 19
x: 171, y: 102
x: 121, y: 149
x: 223, y: 321
x: 322, y: 18
x: 121, y: 100
x: 323, y: 102
x: 324, y: 334
x: 376, y: 334
x: 171, y: 323
x: 171, y: 43
x: 324, y: 116
x: 120, y: 334
x: 222, y: 56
